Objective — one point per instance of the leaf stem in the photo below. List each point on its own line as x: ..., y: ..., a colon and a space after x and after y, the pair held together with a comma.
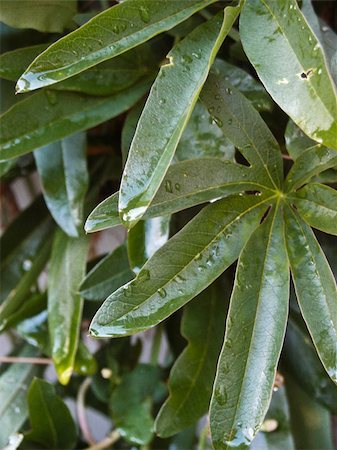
x: 106, y: 442
x: 203, y: 437
x: 24, y: 360
x: 156, y: 345
x: 81, y: 413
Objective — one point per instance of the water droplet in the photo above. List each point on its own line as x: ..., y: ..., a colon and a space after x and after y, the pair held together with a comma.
x: 144, y: 14
x: 177, y: 186
x: 228, y: 343
x: 17, y: 410
x: 179, y: 279
x: 319, y: 71
x: 220, y: 394
x: 211, y: 109
x: 127, y: 291
x: 196, y: 55
x: 27, y: 264
x: 218, y: 121
x: 230, y: 121
x: 168, y: 186
x: 144, y: 275
x: 162, y: 101
x: 162, y: 292
x: 228, y: 91
x: 217, y: 97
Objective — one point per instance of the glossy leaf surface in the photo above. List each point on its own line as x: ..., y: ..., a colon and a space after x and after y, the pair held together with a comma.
x: 199, y: 253
x: 107, y: 35
x: 51, y: 16
x: 317, y: 204
x: 166, y: 114
x: 311, y: 162
x: 258, y: 308
x: 50, y: 419
x: 106, y: 78
x: 290, y: 62
x: 67, y: 268
x: 243, y: 126
x: 315, y: 287
x: 13, y: 391
x: 185, y: 184
x: 64, y: 177
x: 296, y: 141
x: 107, y: 276
x: 130, y: 404
x: 192, y: 376
x: 145, y: 239
x: 48, y: 116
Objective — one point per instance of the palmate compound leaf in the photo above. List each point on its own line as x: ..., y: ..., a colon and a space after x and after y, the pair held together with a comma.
x: 67, y: 269
x: 317, y: 205
x: 254, y: 335
x: 167, y: 112
x: 109, y: 34
x: 183, y: 267
x: 185, y: 184
x: 192, y: 376
x: 290, y: 62
x: 315, y: 287
x: 62, y: 168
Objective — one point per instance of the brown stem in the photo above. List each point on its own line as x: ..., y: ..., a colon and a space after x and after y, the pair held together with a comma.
x: 24, y: 360
x: 288, y: 157
x: 107, y: 442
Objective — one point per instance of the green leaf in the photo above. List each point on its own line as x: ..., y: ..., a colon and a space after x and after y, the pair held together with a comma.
x: 317, y: 204
x: 25, y: 127
x: 277, y: 416
x: 244, y: 127
x: 198, y: 254
x: 108, y: 34
x: 301, y: 360
x: 13, y: 390
x: 108, y: 275
x: 315, y: 287
x: 202, y: 138
x: 167, y: 112
x: 34, y: 330
x: 192, y: 376
x: 310, y: 422
x: 131, y: 403
x: 51, y: 16
x: 145, y: 239
x: 20, y: 243
x: 106, y: 78
x: 186, y: 184
x: 32, y: 305
x: 22, y: 290
x: 290, y: 62
x: 245, y: 83
x: 296, y: 141
x: 85, y: 363
x: 248, y: 361
x: 52, y: 424
x: 64, y: 178
x: 310, y: 163
x: 66, y: 270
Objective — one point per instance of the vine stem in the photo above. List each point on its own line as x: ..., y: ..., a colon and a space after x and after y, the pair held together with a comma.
x: 24, y: 360
x: 287, y: 157
x: 81, y: 413
x: 107, y: 442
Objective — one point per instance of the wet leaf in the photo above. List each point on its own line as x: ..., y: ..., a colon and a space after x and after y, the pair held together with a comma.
x: 51, y: 16
x: 64, y: 178
x: 192, y: 376
x: 296, y: 141
x: 198, y: 254
x: 107, y: 35
x: 317, y: 204
x: 67, y: 268
x: 51, y: 422
x: 247, y: 365
x: 244, y: 127
x: 48, y: 116
x: 315, y: 287
x: 167, y: 112
x: 290, y: 62
x: 107, y: 276
x: 14, y: 382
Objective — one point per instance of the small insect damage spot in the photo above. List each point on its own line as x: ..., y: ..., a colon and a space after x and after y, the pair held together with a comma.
x: 167, y: 62
x: 307, y: 74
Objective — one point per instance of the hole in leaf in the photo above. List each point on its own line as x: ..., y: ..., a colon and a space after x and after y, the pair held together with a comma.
x: 253, y: 192
x: 307, y: 74
x: 266, y: 214
x: 168, y: 61
x: 240, y: 159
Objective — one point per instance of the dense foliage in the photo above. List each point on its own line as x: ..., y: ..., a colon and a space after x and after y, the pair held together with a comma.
x: 208, y: 130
